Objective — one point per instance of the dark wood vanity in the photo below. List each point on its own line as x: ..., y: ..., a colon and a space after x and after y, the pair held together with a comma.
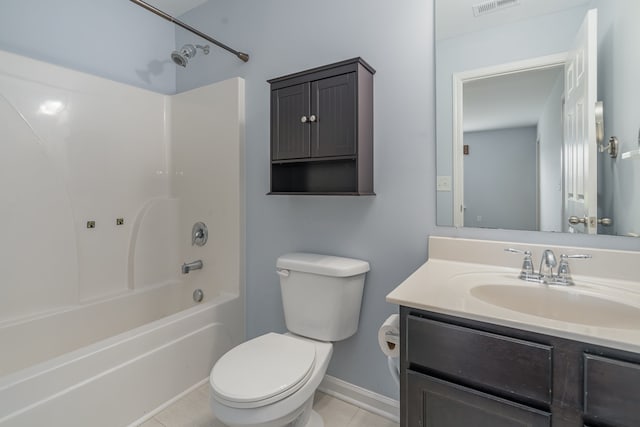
x: 458, y: 372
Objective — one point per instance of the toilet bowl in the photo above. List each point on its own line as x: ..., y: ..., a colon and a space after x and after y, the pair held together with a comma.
x: 270, y: 380
x: 264, y: 401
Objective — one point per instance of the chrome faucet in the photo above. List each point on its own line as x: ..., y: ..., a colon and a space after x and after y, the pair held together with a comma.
x: 195, y: 265
x: 547, y: 263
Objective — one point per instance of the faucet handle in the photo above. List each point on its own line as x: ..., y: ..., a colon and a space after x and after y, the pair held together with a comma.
x: 517, y: 251
x: 526, y: 272
x: 578, y: 256
x: 564, y: 273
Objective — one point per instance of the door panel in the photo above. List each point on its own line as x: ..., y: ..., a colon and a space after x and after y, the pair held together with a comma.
x: 333, y: 103
x: 580, y: 151
x: 291, y: 132
x: 437, y: 403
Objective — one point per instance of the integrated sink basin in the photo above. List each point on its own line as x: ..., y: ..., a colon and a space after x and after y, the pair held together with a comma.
x: 563, y: 304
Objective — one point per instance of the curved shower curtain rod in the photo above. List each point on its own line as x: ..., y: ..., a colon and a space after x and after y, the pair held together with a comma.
x: 243, y: 56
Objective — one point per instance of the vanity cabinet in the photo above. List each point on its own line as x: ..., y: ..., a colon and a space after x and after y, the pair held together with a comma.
x: 322, y: 130
x: 458, y: 372
x: 435, y: 403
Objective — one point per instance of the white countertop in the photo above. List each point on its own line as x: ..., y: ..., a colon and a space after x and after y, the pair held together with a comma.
x: 445, y: 284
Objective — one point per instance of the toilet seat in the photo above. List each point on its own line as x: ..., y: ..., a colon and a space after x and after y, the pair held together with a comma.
x: 262, y: 371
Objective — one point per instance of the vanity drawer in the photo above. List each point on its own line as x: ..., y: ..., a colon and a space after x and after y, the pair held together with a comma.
x: 612, y: 390
x: 509, y: 366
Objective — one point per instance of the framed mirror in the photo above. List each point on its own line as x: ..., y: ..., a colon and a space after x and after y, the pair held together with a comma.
x: 519, y: 143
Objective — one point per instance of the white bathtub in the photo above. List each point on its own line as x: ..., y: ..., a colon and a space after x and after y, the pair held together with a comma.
x: 120, y: 380
x: 97, y: 324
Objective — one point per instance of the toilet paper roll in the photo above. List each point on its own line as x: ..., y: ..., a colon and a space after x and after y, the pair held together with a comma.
x: 389, y: 336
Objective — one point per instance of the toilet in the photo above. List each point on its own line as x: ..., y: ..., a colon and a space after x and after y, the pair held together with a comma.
x: 270, y: 381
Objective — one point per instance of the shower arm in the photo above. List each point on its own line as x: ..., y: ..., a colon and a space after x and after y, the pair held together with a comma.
x: 243, y: 56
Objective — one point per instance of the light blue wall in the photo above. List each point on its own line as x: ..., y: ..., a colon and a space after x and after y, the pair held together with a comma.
x: 500, y: 178
x: 389, y: 230
x: 114, y: 39
x: 618, y: 88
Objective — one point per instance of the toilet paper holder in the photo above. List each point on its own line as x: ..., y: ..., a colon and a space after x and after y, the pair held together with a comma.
x: 389, y: 341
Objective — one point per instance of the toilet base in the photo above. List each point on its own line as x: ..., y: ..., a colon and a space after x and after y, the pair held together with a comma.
x: 308, y: 417
x: 315, y: 420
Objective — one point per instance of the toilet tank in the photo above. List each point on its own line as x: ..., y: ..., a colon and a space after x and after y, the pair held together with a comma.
x: 321, y: 294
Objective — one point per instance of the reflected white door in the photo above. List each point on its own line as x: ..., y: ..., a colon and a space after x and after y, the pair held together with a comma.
x: 580, y: 151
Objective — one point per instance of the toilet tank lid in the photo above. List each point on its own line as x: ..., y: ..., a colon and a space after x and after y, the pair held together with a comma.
x: 325, y: 265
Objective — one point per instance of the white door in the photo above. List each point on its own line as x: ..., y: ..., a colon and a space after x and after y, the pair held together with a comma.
x: 580, y: 151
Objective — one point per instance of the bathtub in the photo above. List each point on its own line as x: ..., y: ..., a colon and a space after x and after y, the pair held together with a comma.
x: 95, y: 366
x: 98, y: 326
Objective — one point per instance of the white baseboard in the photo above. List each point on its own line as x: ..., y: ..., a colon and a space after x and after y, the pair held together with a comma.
x: 362, y: 398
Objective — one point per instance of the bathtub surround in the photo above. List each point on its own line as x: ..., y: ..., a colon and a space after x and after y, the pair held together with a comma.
x: 102, y: 183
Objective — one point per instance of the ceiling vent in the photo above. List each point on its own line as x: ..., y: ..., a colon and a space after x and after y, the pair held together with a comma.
x: 493, y: 6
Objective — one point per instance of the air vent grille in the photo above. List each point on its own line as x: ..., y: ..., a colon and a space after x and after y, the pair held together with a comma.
x: 492, y: 6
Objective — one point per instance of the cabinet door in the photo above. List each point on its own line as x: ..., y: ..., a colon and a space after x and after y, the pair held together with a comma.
x: 436, y: 403
x: 333, y: 102
x: 289, y: 122
x: 612, y: 391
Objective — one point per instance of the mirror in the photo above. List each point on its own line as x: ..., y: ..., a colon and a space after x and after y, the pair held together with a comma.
x: 516, y: 88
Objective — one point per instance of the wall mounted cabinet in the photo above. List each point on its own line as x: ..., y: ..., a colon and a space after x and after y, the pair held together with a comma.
x: 322, y: 130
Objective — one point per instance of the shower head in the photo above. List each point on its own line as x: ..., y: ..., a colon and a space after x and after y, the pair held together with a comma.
x: 187, y: 51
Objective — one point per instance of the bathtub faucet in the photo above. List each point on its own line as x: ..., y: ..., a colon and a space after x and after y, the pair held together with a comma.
x: 195, y: 265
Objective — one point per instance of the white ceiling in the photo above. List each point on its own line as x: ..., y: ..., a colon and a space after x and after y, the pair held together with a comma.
x: 455, y: 17
x: 508, y: 101
x: 176, y: 8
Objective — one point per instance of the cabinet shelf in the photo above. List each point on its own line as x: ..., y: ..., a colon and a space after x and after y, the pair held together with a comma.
x: 313, y: 159
x: 317, y: 193
x: 322, y: 130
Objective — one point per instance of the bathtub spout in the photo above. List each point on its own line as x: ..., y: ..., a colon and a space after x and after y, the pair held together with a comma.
x: 195, y: 265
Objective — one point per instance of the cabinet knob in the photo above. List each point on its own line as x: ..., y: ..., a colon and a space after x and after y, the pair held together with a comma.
x: 313, y: 118
x: 303, y: 119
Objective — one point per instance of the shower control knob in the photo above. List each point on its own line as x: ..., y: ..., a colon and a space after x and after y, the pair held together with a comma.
x: 313, y: 118
x: 199, y: 234
x: 303, y: 119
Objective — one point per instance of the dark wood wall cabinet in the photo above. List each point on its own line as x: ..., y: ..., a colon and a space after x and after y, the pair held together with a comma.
x: 322, y: 130
x: 460, y: 372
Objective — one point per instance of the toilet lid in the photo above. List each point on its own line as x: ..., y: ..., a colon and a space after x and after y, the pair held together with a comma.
x: 263, y: 370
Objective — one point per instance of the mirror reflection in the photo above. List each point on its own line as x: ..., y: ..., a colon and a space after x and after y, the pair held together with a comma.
x: 519, y: 142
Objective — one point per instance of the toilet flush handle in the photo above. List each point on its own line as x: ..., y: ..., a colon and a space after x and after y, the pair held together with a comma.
x: 283, y: 273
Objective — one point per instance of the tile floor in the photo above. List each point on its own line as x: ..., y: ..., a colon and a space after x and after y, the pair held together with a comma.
x: 193, y: 411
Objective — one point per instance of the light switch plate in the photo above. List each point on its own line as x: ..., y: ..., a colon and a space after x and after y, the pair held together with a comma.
x: 443, y: 183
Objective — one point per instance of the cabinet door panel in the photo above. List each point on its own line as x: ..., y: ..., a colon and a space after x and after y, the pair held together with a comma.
x: 507, y: 365
x: 612, y: 390
x: 290, y: 136
x: 333, y: 102
x: 437, y: 403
